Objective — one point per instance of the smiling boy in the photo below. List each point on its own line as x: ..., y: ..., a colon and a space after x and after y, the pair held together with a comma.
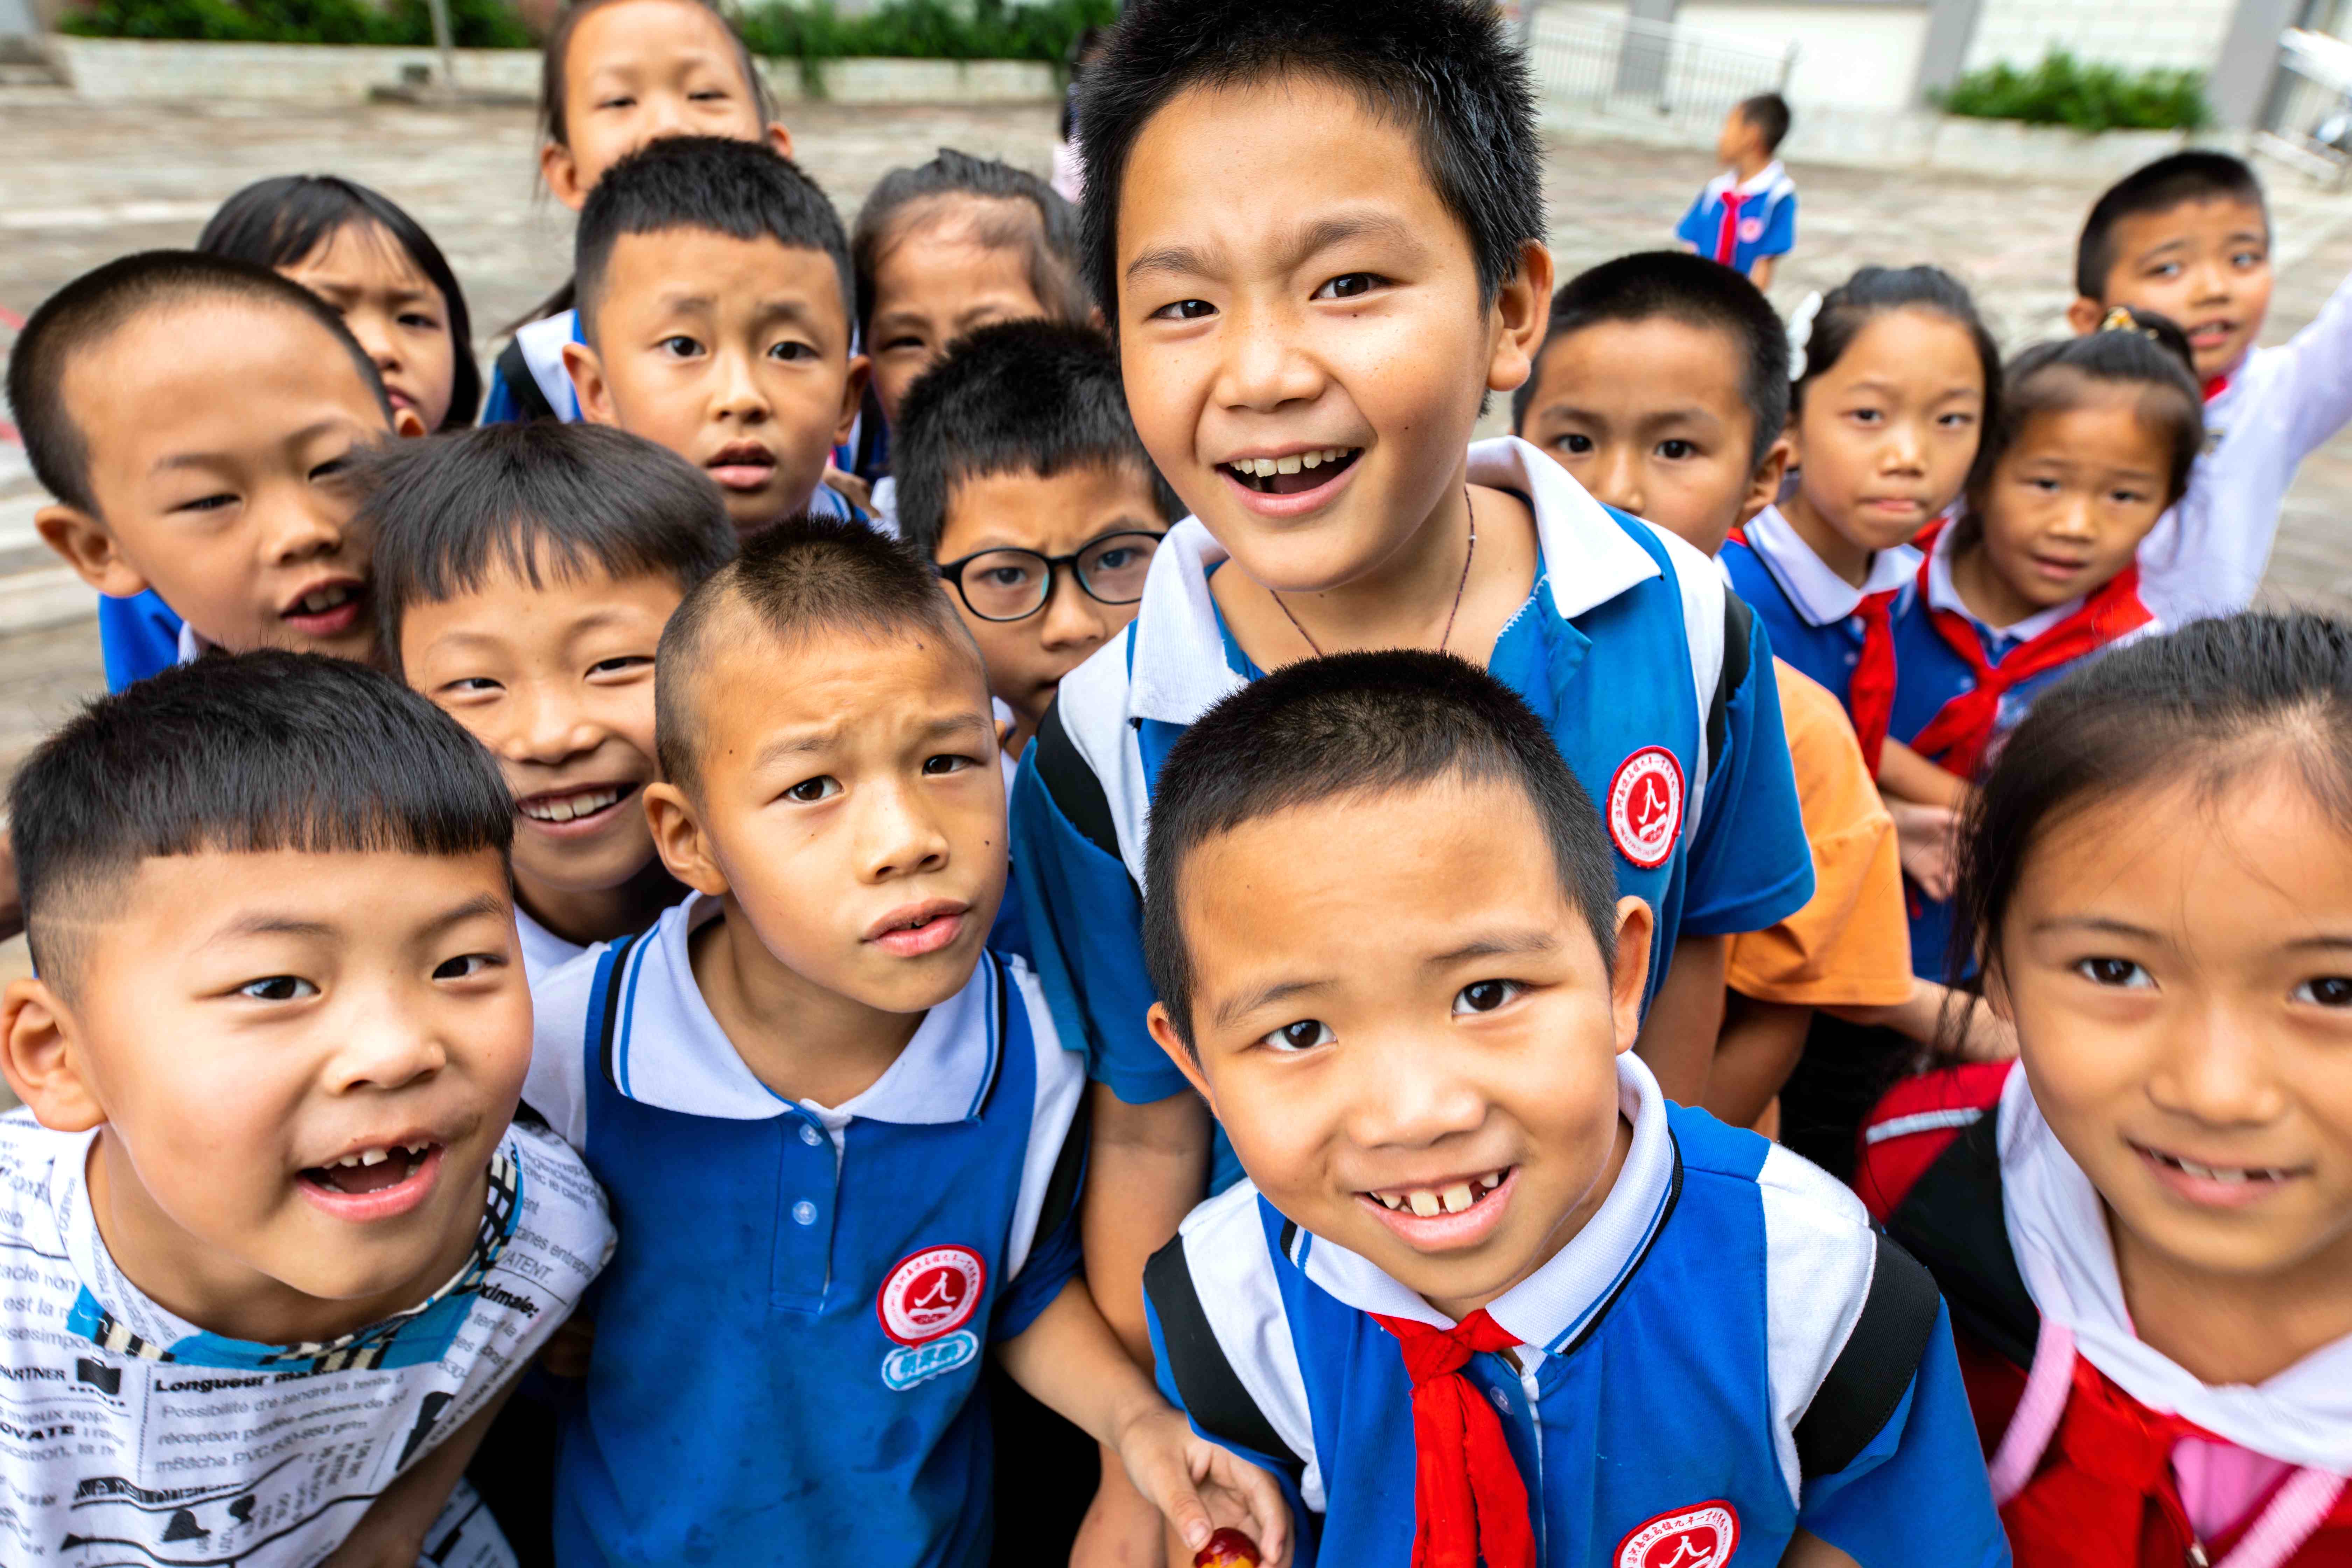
x: 715, y: 305
x: 523, y: 576
x: 2188, y: 237
x: 1485, y: 1294
x: 280, y: 1253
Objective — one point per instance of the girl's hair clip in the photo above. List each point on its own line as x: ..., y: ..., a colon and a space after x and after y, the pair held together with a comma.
x: 1801, y: 332
x: 2121, y: 320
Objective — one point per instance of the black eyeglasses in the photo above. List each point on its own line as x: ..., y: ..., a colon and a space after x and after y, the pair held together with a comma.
x: 1014, y: 584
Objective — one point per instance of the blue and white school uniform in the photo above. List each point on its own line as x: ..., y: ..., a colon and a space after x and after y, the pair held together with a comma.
x: 1725, y: 1353
x: 1656, y: 683
x: 1814, y: 615
x: 137, y: 636
x: 1740, y: 222
x: 789, y: 1336
x: 544, y: 951
x: 540, y: 346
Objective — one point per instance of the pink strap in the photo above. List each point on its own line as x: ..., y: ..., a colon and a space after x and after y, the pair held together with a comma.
x: 2299, y: 1507
x: 2047, y: 1384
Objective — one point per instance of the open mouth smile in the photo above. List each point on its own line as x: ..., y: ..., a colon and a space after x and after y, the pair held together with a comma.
x: 579, y: 810
x: 1446, y: 1214
x: 2215, y: 1186
x: 1293, y: 473
x: 375, y: 1182
x: 326, y: 610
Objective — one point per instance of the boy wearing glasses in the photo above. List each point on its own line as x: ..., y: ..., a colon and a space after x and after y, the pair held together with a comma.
x: 1020, y: 473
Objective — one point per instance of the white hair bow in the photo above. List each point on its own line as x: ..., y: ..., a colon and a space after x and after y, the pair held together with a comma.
x: 1801, y: 332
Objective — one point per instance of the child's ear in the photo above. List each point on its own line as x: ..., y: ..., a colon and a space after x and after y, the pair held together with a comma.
x: 1631, y: 974
x: 678, y: 838
x: 1164, y: 1030
x: 779, y: 138
x: 407, y: 424
x: 1522, y: 310
x: 1764, y: 484
x: 40, y: 1060
x: 587, y: 374
x: 561, y: 172
x: 852, y: 397
x: 90, y: 550
x: 2085, y: 314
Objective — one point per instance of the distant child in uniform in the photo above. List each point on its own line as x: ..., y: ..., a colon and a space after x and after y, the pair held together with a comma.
x: 715, y: 317
x: 1663, y: 385
x: 276, y: 1255
x: 939, y: 250
x: 1313, y: 408
x: 615, y: 74
x: 2144, y: 1224
x: 815, y: 1050
x: 523, y: 576
x: 1488, y: 1294
x: 1745, y: 217
x: 2188, y: 237
x: 2095, y: 439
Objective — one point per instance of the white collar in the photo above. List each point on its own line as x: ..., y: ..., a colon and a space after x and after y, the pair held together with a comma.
x: 1179, y: 671
x: 2058, y: 1229
x: 1548, y: 1310
x: 1764, y: 179
x: 1821, y: 596
x: 1943, y: 595
x: 191, y: 647
x: 669, y: 1051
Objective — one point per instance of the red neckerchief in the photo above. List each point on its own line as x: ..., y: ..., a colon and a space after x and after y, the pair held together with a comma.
x: 2215, y: 385
x: 1727, y: 237
x: 1957, y: 737
x: 1870, y: 695
x: 1469, y: 1500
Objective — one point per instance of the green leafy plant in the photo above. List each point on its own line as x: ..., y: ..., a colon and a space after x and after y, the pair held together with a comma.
x: 2062, y: 90
x: 476, y: 24
x: 923, y: 29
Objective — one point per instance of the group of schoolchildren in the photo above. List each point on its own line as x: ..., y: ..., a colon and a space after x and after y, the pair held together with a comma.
x: 969, y: 889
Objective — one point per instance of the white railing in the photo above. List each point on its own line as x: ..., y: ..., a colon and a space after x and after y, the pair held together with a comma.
x: 1590, y: 62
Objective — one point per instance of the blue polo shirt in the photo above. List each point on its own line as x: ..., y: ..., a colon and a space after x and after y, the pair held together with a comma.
x: 1656, y: 684
x: 1670, y: 1354
x: 540, y: 345
x: 137, y: 636
x: 788, y: 1346
x: 1739, y: 223
x: 1808, y: 609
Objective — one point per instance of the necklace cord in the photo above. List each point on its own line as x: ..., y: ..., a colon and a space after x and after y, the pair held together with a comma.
x: 1444, y: 637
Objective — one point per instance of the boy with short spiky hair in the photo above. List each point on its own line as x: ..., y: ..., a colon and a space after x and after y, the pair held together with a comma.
x: 1317, y: 227
x: 2188, y: 237
x: 1745, y: 217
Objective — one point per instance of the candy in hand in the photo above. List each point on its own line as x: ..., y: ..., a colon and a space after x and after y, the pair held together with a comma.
x: 1227, y: 1549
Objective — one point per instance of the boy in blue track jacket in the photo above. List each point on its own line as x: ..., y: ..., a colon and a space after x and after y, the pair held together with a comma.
x: 1487, y: 1295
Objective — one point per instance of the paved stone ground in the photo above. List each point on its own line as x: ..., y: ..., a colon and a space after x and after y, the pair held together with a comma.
x: 83, y: 183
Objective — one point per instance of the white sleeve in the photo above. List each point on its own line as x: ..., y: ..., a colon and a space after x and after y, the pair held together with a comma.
x: 2313, y: 395
x: 556, y: 1086
x: 1061, y: 1087
x: 1819, y: 1256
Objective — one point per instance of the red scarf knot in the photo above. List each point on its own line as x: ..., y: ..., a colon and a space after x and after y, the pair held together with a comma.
x: 1870, y: 694
x: 1470, y: 1502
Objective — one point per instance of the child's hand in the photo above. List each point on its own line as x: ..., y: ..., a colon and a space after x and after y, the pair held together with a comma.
x: 1926, y: 839
x: 850, y: 485
x: 1202, y: 1487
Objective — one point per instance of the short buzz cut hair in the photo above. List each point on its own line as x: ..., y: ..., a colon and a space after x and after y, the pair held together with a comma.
x: 1358, y: 725
x: 2169, y: 183
x: 1033, y: 397
x: 91, y: 308
x: 449, y: 511
x: 1769, y: 114
x: 741, y: 189
x: 1442, y: 69
x: 1679, y: 287
x: 806, y: 575
x: 240, y: 753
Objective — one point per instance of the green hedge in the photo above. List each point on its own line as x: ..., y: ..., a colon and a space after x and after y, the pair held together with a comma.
x: 478, y: 24
x: 2062, y: 91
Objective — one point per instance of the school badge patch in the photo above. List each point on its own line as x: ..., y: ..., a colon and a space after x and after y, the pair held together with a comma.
x: 1701, y: 1537
x: 1751, y: 229
x: 923, y: 1305
x: 1645, y: 806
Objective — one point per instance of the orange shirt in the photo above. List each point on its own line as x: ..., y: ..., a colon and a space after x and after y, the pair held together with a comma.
x: 1850, y: 946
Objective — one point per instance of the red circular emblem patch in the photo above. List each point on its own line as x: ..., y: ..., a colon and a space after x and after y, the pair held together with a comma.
x: 1645, y: 806
x: 1701, y: 1537
x: 929, y: 1293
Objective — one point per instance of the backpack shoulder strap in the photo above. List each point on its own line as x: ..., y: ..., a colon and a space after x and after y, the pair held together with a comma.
x: 605, y: 1005
x: 1739, y: 634
x: 1867, y: 1381
x: 1951, y: 1220
x: 1213, y: 1394
x: 1076, y: 791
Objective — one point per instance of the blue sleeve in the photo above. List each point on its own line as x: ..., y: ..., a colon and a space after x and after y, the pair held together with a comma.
x: 1306, y: 1525
x: 1693, y: 230
x: 138, y: 637
x: 1781, y: 234
x: 1052, y: 1263
x: 499, y: 407
x: 1752, y: 865
x: 1916, y: 1496
x: 1085, y: 935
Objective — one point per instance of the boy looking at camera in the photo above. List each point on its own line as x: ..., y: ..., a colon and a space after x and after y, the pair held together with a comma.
x: 814, y: 1049
x: 1316, y: 229
x: 1455, y: 1304
x: 281, y: 1253
x: 523, y: 576
x: 714, y: 312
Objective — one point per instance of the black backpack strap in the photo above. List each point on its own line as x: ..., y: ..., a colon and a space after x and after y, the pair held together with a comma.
x: 1072, y: 784
x: 1738, y: 638
x: 521, y: 385
x: 1213, y: 1394
x: 1951, y: 1220
x: 1069, y: 1170
x: 1868, y: 1379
